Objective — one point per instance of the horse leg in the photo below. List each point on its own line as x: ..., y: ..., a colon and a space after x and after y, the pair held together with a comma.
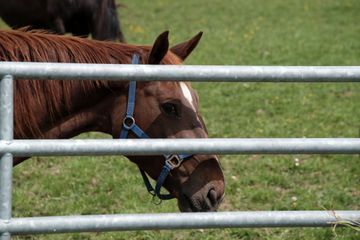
x: 105, y: 24
x: 121, y: 36
x: 58, y: 25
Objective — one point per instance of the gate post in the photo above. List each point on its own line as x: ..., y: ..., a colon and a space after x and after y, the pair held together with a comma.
x: 6, y: 161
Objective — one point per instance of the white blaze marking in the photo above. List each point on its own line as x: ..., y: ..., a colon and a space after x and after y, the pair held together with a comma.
x: 186, y: 91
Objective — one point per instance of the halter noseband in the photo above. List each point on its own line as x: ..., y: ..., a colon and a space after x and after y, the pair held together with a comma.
x: 129, y: 124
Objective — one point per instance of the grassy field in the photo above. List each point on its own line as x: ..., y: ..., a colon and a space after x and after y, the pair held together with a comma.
x: 236, y: 32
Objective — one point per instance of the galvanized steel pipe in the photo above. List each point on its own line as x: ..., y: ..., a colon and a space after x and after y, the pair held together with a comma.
x: 181, y: 146
x: 203, y: 73
x: 122, y: 222
x: 6, y: 160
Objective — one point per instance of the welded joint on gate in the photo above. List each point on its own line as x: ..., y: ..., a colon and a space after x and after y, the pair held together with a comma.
x: 5, y: 235
x: 5, y: 221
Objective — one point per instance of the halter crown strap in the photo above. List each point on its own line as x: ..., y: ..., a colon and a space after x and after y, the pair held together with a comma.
x: 129, y: 121
x: 129, y: 124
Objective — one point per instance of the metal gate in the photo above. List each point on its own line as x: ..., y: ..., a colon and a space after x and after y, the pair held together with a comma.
x: 56, y: 224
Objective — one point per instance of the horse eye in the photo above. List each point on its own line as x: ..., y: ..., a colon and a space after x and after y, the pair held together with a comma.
x: 170, y: 109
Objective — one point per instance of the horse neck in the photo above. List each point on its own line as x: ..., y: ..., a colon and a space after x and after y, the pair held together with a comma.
x: 67, y: 116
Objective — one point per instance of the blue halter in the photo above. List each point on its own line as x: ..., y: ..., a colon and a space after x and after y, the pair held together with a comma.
x: 129, y: 124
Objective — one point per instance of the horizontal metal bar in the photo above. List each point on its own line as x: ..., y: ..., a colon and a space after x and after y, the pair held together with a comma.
x: 123, y: 222
x: 126, y: 72
x: 181, y: 146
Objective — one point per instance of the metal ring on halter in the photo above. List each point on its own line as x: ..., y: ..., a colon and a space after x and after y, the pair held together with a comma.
x: 173, y: 161
x: 128, y: 122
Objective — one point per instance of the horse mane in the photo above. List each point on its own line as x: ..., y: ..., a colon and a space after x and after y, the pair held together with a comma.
x: 39, y: 46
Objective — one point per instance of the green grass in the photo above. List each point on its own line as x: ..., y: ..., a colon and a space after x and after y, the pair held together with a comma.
x: 236, y: 32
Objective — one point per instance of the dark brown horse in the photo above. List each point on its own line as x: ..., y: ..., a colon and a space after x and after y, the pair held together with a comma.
x: 64, y: 109
x: 79, y: 17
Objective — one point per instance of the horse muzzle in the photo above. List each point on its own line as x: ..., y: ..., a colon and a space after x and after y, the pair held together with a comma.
x: 204, y: 189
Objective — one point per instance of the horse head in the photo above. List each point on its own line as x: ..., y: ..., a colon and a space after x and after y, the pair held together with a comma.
x: 171, y: 110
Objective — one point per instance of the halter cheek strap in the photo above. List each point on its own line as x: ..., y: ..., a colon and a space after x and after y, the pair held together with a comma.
x: 129, y: 124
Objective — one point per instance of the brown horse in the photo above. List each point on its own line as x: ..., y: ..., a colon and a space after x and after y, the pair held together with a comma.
x: 79, y: 17
x: 64, y: 109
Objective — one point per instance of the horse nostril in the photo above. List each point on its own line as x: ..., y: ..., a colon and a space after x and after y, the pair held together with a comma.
x: 200, y: 202
x: 212, y: 196
x: 192, y: 203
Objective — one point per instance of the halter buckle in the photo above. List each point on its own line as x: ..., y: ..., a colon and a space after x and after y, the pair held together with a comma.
x: 128, y: 122
x: 173, y: 161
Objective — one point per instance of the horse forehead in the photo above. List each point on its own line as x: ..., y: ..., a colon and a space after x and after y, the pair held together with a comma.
x: 187, y: 94
x: 171, y: 90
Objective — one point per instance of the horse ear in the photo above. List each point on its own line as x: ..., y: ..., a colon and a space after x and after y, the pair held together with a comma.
x: 184, y: 49
x: 159, y: 49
